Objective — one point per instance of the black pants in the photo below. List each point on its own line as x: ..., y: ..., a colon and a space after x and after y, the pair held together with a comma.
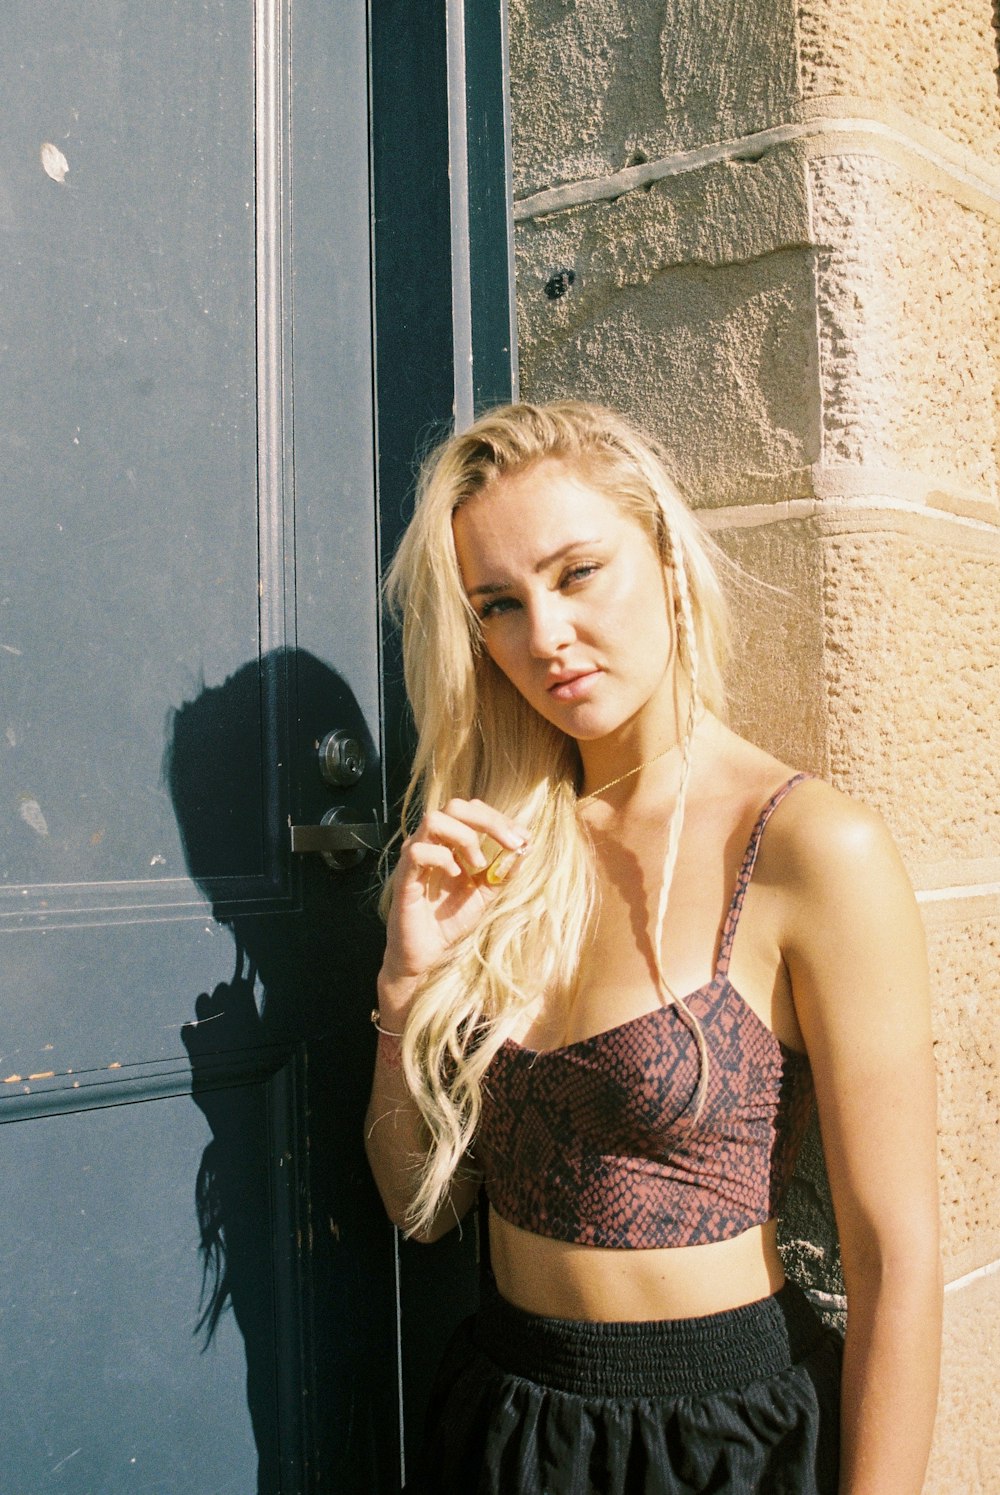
x: 738, y: 1403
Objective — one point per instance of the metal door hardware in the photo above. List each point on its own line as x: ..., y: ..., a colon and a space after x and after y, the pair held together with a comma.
x: 340, y: 839
x: 341, y: 759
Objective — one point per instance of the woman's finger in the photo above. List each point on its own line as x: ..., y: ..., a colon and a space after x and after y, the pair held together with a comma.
x: 424, y: 856
x: 464, y: 822
x: 491, y: 822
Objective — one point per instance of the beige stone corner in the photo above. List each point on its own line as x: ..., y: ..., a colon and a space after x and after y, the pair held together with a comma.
x: 908, y: 314
x: 648, y: 82
x: 797, y: 325
x: 934, y: 62
x: 965, y: 1459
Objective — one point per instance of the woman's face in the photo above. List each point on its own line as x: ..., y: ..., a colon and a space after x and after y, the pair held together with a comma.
x: 572, y: 600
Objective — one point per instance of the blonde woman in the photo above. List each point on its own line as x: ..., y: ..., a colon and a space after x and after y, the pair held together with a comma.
x: 625, y: 950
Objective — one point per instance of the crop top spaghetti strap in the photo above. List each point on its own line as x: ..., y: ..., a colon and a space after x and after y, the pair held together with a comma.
x: 598, y: 1142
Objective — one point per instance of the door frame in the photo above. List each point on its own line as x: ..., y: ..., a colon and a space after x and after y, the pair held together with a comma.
x: 445, y: 349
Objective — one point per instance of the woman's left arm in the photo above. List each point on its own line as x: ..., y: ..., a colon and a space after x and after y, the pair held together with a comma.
x: 856, y: 954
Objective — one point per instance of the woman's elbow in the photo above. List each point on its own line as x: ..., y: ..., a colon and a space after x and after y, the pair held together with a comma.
x: 911, y: 1266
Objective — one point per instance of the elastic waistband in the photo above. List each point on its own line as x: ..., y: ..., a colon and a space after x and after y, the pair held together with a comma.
x: 661, y: 1357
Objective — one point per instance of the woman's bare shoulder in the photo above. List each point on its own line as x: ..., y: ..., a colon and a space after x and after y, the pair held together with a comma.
x: 816, y: 832
x: 827, y: 851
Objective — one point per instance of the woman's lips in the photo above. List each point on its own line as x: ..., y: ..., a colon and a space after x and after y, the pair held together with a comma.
x: 573, y: 686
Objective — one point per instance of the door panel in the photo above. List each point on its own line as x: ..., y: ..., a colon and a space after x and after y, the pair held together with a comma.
x: 122, y: 1393
x: 188, y: 471
x: 128, y: 290
x: 198, y: 1286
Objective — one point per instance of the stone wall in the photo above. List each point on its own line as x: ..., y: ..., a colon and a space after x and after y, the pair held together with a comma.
x: 771, y: 231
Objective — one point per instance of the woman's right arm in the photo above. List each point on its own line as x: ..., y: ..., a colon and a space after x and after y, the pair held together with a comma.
x: 395, y: 1135
x: 442, y: 885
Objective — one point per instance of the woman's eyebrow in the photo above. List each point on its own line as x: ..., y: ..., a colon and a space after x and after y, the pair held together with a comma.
x: 491, y: 588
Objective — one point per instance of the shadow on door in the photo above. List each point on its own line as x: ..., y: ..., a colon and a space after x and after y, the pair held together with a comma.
x: 300, y: 985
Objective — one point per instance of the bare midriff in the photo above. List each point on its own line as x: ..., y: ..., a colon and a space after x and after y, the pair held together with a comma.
x: 561, y: 1279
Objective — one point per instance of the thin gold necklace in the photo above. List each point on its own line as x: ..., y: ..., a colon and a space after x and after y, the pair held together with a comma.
x: 586, y: 798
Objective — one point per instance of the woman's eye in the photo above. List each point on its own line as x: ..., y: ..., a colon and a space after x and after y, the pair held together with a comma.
x: 579, y: 573
x: 495, y: 607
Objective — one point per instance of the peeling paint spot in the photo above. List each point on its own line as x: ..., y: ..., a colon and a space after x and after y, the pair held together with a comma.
x: 46, y: 1074
x: 31, y: 814
x: 115, y: 1065
x: 157, y: 861
x: 56, y: 1467
x: 10, y: 649
x: 11, y: 736
x: 12, y: 1080
x: 54, y: 163
x: 97, y: 838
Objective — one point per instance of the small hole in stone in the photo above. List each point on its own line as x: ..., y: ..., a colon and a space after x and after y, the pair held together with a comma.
x: 637, y: 158
x: 559, y: 283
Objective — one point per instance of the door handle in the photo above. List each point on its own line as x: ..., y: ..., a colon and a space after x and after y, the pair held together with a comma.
x: 340, y: 839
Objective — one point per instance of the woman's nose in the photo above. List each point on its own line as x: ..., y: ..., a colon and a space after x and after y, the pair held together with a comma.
x: 550, y: 627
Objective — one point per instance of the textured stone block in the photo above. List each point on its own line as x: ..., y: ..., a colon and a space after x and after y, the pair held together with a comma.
x: 911, y: 678
x: 690, y: 305
x: 602, y: 84
x: 963, y: 939
x: 775, y: 677
x: 934, y: 59
x: 871, y: 360
x: 908, y: 291
x: 965, y: 1459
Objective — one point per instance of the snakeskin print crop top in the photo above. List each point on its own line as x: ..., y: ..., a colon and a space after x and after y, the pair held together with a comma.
x: 597, y: 1143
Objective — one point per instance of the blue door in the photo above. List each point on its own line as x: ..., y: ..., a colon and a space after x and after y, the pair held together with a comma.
x: 239, y: 276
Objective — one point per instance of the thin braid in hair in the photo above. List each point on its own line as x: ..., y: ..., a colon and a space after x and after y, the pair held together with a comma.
x: 686, y: 635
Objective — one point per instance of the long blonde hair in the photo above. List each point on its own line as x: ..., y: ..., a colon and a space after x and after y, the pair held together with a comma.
x: 477, y: 738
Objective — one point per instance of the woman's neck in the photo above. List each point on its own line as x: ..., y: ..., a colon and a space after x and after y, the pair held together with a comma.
x: 634, y: 753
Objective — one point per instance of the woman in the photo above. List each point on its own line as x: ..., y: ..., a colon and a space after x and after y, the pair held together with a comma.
x: 578, y: 1012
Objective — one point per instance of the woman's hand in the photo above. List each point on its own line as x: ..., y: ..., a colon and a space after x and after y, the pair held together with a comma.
x: 448, y: 873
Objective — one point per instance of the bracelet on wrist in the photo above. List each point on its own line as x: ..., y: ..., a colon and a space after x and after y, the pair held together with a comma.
x: 376, y: 1020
